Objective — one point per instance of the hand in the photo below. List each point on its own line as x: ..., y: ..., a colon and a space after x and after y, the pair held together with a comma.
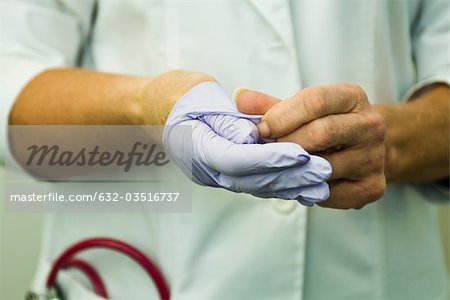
x: 336, y: 122
x: 215, y: 145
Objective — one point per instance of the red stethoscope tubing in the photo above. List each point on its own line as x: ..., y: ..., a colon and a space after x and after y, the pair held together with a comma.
x: 94, y: 278
x: 66, y: 260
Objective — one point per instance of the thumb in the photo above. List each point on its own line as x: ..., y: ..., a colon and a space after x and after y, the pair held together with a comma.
x: 253, y: 102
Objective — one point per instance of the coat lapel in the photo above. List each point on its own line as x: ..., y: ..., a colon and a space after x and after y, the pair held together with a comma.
x: 277, y: 14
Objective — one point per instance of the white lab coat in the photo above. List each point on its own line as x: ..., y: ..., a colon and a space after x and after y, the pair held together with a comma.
x: 235, y: 246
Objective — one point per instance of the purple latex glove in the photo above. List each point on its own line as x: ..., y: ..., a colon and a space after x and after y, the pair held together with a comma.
x: 215, y: 145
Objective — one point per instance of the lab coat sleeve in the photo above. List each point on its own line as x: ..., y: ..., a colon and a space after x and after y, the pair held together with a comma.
x: 431, y: 46
x: 34, y: 36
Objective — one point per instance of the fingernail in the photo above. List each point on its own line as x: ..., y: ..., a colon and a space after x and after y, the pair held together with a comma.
x: 304, y: 158
x: 263, y: 129
x: 237, y: 92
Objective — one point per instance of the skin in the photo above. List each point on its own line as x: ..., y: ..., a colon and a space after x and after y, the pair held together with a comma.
x: 336, y: 122
x: 80, y: 97
x: 367, y: 145
x: 73, y: 96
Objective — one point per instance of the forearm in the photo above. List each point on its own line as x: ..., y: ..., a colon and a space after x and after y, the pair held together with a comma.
x: 417, y: 141
x: 77, y: 96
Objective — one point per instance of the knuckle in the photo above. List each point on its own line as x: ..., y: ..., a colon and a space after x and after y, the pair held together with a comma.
x: 379, y: 159
x: 375, y: 159
x: 379, y: 126
x: 357, y: 91
x: 376, y: 125
x: 376, y: 188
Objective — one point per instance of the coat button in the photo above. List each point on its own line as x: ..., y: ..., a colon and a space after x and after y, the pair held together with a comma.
x: 286, y: 206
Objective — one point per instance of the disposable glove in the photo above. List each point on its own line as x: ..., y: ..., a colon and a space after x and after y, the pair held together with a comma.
x: 215, y: 145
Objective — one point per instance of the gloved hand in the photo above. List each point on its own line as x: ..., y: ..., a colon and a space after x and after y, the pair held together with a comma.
x: 215, y: 145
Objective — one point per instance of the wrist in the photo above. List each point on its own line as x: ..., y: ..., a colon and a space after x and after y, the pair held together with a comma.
x: 157, y: 96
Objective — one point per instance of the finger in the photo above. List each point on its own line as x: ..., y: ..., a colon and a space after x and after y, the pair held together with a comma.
x: 344, y: 130
x: 306, y: 195
x: 310, y: 104
x: 346, y: 194
x: 234, y: 129
x: 229, y: 158
x: 354, y: 164
x: 316, y: 171
x: 236, y: 159
x: 253, y: 102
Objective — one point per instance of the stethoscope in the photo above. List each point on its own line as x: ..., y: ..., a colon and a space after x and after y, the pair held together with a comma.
x: 67, y: 260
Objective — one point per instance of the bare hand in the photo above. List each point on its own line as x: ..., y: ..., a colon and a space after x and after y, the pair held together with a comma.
x: 336, y: 122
